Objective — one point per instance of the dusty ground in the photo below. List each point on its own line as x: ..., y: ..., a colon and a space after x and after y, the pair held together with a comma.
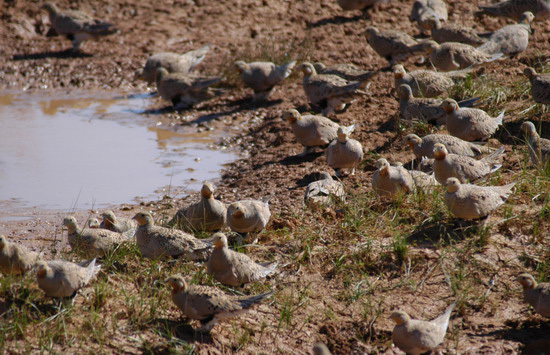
x: 344, y: 270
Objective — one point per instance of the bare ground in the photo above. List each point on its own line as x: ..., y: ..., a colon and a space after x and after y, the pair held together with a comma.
x: 344, y: 269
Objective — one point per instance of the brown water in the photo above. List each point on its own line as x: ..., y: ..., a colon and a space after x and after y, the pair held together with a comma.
x: 79, y: 151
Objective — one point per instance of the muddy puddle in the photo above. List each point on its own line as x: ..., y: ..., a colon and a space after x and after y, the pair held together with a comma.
x: 80, y: 151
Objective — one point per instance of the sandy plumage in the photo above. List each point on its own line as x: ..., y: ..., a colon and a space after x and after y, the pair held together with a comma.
x: 60, y: 278
x: 332, y: 90
x: 390, y: 180
x: 450, y: 56
x: 91, y: 242
x: 462, y: 167
x: 248, y: 216
x: 536, y: 294
x: 125, y: 226
x: 511, y: 39
x: 77, y: 25
x: 415, y: 336
x: 207, y: 304
x: 323, y: 192
x: 423, y: 147
x: 208, y: 214
x: 469, y: 201
x: 426, y: 83
x: 470, y: 124
x: 344, y: 152
x: 424, y: 10
x: 540, y: 86
x: 539, y: 148
x: 515, y: 8
x: 233, y: 268
x: 393, y: 45
x: 159, y: 242
x: 183, y: 89
x: 15, y: 258
x: 172, y: 62
x: 311, y: 130
x: 263, y: 76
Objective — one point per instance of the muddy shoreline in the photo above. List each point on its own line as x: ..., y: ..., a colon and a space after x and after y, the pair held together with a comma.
x: 339, y: 282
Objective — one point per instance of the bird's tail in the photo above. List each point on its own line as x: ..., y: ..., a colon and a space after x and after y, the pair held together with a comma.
x: 418, y: 48
x: 487, y: 10
x: 494, y: 156
x: 459, y: 74
x: 269, y: 268
x: 287, y: 68
x: 248, y: 302
x: 367, y: 76
x: 206, y: 82
x: 102, y: 29
x: 443, y: 319
x: 491, y: 48
x: 508, y: 190
x: 481, y: 148
x: 365, y: 84
x: 92, y: 270
x: 494, y: 56
x: 198, y: 56
x: 485, y: 34
x: 495, y: 167
x: 468, y: 102
x: 500, y: 117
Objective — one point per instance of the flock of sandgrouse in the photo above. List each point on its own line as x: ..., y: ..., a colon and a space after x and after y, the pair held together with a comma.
x: 455, y: 159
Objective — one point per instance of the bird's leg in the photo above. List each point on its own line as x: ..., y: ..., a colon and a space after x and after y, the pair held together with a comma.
x: 335, y: 104
x: 240, y: 238
x: 305, y: 152
x: 352, y: 171
x: 76, y: 45
x: 328, y: 110
x: 262, y: 95
x: 253, y: 239
x: 207, y: 327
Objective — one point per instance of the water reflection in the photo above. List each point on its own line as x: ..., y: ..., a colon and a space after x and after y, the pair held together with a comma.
x: 93, y: 151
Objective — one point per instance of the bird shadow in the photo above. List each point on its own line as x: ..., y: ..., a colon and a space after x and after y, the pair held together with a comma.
x: 56, y: 54
x: 389, y: 126
x: 510, y: 132
x: 169, y: 329
x: 533, y: 334
x: 337, y: 20
x: 247, y: 103
x: 537, y: 62
x: 239, y: 105
x: 41, y: 309
x: 430, y: 234
x: 297, y: 159
x: 308, y: 179
x: 144, y: 95
x: 159, y: 111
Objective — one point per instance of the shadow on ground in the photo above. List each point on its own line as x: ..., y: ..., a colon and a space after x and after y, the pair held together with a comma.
x: 510, y: 132
x: 57, y: 54
x: 169, y: 328
x: 533, y: 334
x: 430, y: 234
x: 336, y: 20
x: 309, y: 178
x: 227, y: 109
x: 297, y: 159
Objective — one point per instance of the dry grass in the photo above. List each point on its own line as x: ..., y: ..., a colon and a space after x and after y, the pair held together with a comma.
x: 342, y: 269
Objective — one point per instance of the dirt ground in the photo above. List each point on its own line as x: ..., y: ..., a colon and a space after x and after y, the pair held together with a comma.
x: 491, y: 317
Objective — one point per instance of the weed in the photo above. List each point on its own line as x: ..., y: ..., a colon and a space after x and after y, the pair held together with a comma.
x: 268, y: 49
